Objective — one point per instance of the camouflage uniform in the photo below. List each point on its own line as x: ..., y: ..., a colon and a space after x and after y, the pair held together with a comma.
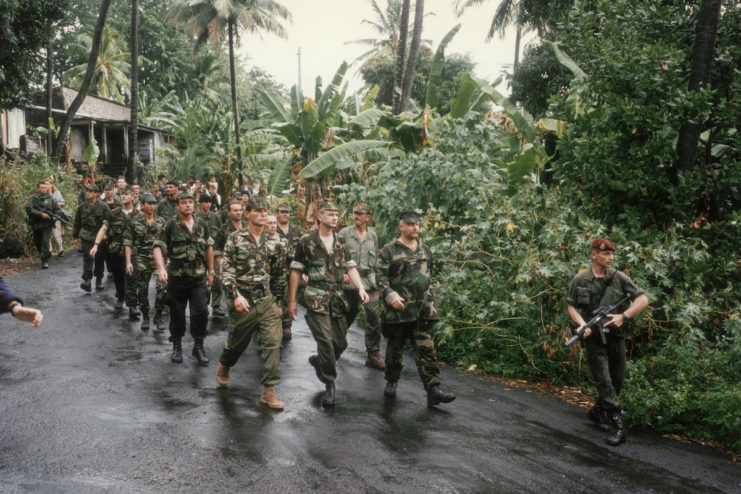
x: 213, y: 220
x: 406, y: 273
x: 140, y: 236
x: 116, y: 225
x: 88, y: 221
x: 255, y: 270
x: 290, y: 240
x: 40, y: 227
x: 324, y: 297
x: 186, y: 275
x: 167, y: 209
x: 607, y: 363
x: 225, y: 231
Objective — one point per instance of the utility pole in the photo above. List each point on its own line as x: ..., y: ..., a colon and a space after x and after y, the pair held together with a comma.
x: 299, y: 69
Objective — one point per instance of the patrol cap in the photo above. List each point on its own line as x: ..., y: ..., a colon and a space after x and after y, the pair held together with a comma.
x: 361, y: 208
x: 257, y: 202
x: 92, y: 188
x: 284, y: 206
x: 326, y: 205
x: 185, y: 194
x: 602, y: 244
x: 409, y: 216
x: 204, y: 198
x: 128, y: 190
x: 108, y: 186
x: 173, y: 182
x: 149, y: 199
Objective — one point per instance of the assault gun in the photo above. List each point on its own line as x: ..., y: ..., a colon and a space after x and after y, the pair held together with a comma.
x: 61, y: 215
x: 597, y: 322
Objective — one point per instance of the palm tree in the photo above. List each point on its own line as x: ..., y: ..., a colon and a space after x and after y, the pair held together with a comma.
x: 401, y: 56
x: 110, y: 75
x: 134, y: 103
x: 212, y: 19
x: 411, y: 68
x: 507, y: 13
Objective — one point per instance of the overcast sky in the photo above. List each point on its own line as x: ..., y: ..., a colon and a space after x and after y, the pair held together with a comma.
x: 320, y: 28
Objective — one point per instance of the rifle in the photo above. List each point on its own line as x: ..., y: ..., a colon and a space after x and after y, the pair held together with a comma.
x: 62, y: 215
x: 596, y: 323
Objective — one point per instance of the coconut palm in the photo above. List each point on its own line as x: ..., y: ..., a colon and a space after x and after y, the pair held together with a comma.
x: 506, y: 14
x: 213, y: 20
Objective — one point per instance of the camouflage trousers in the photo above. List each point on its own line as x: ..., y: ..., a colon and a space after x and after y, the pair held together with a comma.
x: 263, y: 317
x: 607, y: 364
x: 330, y: 336
x: 217, y: 287
x: 372, y: 326
x: 419, y: 333
x: 143, y: 271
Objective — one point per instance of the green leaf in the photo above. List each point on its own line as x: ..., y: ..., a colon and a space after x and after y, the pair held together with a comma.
x: 523, y: 165
x: 368, y: 118
x: 280, y: 175
x: 273, y: 103
x: 436, y: 70
x: 566, y: 61
x: 92, y: 151
x: 463, y: 100
x: 335, y: 155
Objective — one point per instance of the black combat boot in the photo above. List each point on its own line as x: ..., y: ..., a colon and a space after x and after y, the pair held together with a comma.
x: 390, y: 389
x: 200, y: 353
x: 328, y: 398
x: 314, y: 361
x: 145, y: 321
x: 119, y: 304
x: 598, y: 415
x: 157, y: 321
x: 85, y: 285
x: 621, y: 433
x: 133, y: 312
x: 177, y: 351
x: 99, y: 283
x: 435, y: 396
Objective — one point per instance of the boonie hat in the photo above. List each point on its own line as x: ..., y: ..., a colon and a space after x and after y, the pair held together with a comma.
x: 326, y: 205
x: 361, y: 208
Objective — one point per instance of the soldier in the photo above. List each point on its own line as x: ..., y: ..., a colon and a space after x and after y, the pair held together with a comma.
x: 89, y: 219
x: 290, y: 235
x: 404, y: 274
x: 189, y: 246
x: 136, y: 191
x: 253, y: 269
x: 323, y: 257
x: 235, y: 221
x: 590, y: 289
x: 112, y: 200
x: 167, y: 207
x: 362, y: 242
x: 40, y: 210
x: 213, y: 220
x: 113, y: 229
x: 139, y: 236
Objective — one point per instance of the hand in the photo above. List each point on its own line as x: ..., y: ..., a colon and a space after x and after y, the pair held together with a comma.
x: 45, y: 216
x: 616, y: 320
x: 346, y: 279
x: 305, y: 278
x: 129, y: 268
x: 34, y: 316
x: 209, y: 279
x: 586, y: 333
x: 77, y: 242
x: 364, y: 298
x: 93, y: 250
x: 397, y: 303
x: 162, y: 275
x: 292, y: 310
x: 241, y: 304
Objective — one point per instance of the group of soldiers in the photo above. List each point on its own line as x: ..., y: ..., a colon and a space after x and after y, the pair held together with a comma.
x: 257, y: 261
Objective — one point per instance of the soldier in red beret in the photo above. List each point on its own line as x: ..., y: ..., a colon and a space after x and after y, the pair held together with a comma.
x: 600, y: 286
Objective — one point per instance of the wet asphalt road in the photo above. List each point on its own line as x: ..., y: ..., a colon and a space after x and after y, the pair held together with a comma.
x: 92, y: 404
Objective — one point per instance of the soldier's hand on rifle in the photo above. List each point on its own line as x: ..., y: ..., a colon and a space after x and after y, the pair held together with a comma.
x: 129, y: 268
x: 398, y: 304
x: 616, y: 320
x: 45, y: 216
x: 241, y: 304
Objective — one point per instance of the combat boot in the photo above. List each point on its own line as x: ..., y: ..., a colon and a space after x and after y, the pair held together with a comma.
x: 157, y: 321
x: 270, y: 398
x: 200, y: 353
x: 177, y: 351
x: 328, y: 398
x: 598, y: 415
x: 314, y: 361
x: 287, y: 335
x: 621, y: 433
x: 374, y: 360
x: 133, y: 313
x: 85, y: 285
x: 145, y: 321
x: 435, y: 396
x: 99, y: 283
x: 119, y: 304
x: 222, y: 374
x: 390, y: 390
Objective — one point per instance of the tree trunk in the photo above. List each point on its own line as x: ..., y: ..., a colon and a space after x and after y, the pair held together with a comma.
x: 49, y: 115
x: 411, y: 69
x: 702, y: 59
x: 233, y: 79
x: 134, y: 125
x: 518, y: 38
x: 401, y: 53
x: 92, y: 61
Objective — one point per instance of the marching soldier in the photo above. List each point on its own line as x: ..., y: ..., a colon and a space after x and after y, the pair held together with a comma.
x: 168, y: 206
x: 235, y: 221
x: 290, y: 235
x: 89, y: 219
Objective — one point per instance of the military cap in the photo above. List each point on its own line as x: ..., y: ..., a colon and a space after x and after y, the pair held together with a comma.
x: 326, y: 205
x: 204, y: 198
x: 173, y: 182
x: 409, y: 216
x: 284, y: 206
x: 148, y: 198
x: 257, y: 202
x: 92, y: 188
x: 185, y: 194
x: 128, y: 190
x: 108, y: 186
x: 602, y: 244
x: 361, y: 208
x: 237, y: 197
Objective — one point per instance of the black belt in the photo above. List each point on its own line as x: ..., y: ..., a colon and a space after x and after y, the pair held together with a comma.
x: 365, y: 272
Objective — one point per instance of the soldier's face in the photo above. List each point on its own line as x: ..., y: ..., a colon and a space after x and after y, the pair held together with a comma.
x: 327, y: 218
x: 91, y: 195
x: 185, y: 206
x: 149, y: 207
x: 121, y: 183
x: 235, y: 212
x: 257, y: 216
x: 126, y: 198
x: 205, y: 206
x: 43, y: 188
x: 409, y: 231
x: 135, y: 188
x: 108, y: 193
x: 361, y: 219
x: 603, y: 258
x: 271, y: 224
x: 283, y: 217
x: 171, y: 190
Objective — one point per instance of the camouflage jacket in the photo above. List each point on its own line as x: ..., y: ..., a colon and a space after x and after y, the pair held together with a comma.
x: 224, y: 232
x: 253, y: 269
x: 33, y: 209
x: 588, y: 292
x: 291, y: 238
x: 116, y: 225
x: 166, y: 209
x: 402, y: 272
x: 186, y: 250
x: 140, y: 235
x: 325, y: 273
x: 213, y: 221
x: 89, y: 219
x: 364, y: 254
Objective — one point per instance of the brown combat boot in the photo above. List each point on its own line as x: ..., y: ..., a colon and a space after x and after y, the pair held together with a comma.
x: 374, y: 360
x: 270, y: 398
x: 222, y: 374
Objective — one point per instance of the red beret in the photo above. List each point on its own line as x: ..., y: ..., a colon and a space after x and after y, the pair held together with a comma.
x: 602, y: 244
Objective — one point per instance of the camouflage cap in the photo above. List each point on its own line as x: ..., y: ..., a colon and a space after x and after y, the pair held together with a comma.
x: 185, y: 194
x: 108, y: 186
x: 148, y: 199
x: 361, y: 208
x: 284, y: 206
x: 326, y: 206
x: 409, y: 216
x: 92, y: 188
x: 602, y: 244
x: 128, y: 190
x: 257, y: 202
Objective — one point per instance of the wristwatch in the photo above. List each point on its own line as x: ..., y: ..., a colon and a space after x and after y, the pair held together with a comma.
x: 211, y: 272
x: 626, y: 318
x: 13, y: 305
